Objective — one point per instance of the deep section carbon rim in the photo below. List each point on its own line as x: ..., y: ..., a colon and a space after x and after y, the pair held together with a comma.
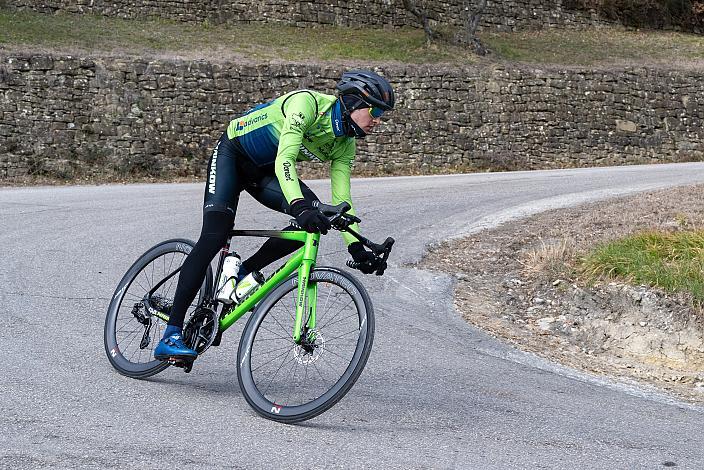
x: 291, y: 382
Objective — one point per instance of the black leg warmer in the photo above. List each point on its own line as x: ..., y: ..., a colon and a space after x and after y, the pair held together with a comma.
x: 216, y: 226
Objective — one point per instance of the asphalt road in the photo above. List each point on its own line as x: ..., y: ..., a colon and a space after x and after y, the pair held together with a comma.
x: 436, y: 392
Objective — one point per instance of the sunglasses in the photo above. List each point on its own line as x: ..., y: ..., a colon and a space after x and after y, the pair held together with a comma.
x: 375, y: 112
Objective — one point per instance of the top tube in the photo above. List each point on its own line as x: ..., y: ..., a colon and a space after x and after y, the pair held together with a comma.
x: 328, y: 210
x: 285, y: 234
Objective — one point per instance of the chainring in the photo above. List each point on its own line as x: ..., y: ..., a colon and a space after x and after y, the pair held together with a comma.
x: 201, y: 329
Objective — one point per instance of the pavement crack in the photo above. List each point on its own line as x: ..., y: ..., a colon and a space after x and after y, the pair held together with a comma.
x: 59, y: 297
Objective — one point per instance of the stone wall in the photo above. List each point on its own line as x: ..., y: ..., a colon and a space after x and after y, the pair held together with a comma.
x: 507, y: 15
x: 66, y: 116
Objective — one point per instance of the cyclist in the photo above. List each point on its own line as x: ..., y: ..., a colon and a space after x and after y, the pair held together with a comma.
x: 258, y: 154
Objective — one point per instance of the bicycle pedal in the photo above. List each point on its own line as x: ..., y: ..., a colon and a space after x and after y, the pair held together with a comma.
x: 185, y: 364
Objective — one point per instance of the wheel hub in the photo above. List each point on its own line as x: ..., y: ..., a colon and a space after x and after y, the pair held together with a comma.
x: 311, y: 349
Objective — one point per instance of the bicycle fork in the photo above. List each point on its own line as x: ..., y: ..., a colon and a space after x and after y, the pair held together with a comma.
x: 307, y: 296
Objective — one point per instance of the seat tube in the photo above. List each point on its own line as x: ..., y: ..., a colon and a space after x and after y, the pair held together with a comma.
x: 310, y: 254
x: 223, y: 252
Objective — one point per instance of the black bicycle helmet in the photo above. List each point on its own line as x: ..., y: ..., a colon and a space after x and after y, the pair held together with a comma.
x: 368, y: 86
x: 363, y: 89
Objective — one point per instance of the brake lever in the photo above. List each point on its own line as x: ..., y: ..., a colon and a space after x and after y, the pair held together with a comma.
x: 386, y: 246
x: 380, y: 271
x: 380, y: 251
x: 343, y: 221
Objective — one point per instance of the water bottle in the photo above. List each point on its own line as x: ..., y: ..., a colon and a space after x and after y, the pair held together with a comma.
x: 248, y: 284
x: 228, y: 278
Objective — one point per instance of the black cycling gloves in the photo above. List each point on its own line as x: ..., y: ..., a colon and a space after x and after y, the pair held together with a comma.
x: 309, y: 218
x: 364, y: 260
x: 312, y: 220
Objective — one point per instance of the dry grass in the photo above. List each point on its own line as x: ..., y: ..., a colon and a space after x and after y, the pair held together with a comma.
x: 602, y: 46
x: 150, y: 36
x: 552, y: 256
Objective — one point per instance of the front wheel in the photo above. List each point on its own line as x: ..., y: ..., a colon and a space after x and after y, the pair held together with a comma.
x: 289, y: 382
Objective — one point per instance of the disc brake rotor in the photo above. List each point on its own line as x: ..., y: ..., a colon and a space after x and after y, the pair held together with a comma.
x: 308, y: 351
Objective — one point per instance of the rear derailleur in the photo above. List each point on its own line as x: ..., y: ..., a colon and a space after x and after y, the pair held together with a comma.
x: 143, y: 312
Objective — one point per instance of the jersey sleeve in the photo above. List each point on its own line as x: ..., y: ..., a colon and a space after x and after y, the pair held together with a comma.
x: 299, y: 110
x: 340, y: 172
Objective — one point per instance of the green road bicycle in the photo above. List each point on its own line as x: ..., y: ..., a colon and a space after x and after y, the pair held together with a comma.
x: 304, y: 346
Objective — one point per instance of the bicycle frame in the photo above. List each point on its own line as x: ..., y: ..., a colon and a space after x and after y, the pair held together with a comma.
x: 302, y: 260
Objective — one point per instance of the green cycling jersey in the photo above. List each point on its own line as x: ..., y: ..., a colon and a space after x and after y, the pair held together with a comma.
x: 302, y: 125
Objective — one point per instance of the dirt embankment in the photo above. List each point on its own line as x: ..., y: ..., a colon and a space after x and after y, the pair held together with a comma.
x: 518, y: 283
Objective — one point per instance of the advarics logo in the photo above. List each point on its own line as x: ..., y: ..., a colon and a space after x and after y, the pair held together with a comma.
x: 245, y: 123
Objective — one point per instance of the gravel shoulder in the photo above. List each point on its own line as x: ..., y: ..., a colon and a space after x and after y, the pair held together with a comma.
x: 517, y: 283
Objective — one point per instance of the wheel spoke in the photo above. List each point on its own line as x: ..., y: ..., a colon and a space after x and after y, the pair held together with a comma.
x: 315, y: 366
x: 272, y: 360
x: 334, y: 354
x: 169, y: 271
x: 274, y: 376
x: 287, y: 348
x: 127, y: 322
x: 327, y: 300
x: 293, y: 382
x: 328, y: 325
x: 338, y: 313
x: 329, y: 340
x: 275, y: 334
x: 290, y: 335
x: 134, y: 335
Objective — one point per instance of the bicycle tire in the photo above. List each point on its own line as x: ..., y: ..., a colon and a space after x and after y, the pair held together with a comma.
x: 264, y: 402
x: 124, y: 300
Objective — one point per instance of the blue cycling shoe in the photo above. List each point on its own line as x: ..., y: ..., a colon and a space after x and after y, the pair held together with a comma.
x: 173, y: 347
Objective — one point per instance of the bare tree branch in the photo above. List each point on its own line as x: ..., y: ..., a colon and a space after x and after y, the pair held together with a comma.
x: 474, y: 16
x: 422, y: 17
x: 467, y: 35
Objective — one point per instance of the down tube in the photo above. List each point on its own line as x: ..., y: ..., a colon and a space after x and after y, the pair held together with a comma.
x: 286, y: 270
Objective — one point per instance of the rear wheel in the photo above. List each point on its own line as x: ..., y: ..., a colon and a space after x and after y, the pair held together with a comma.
x: 289, y: 382
x: 132, y: 327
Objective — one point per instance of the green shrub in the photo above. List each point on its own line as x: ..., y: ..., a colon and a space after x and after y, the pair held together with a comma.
x: 670, y: 261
